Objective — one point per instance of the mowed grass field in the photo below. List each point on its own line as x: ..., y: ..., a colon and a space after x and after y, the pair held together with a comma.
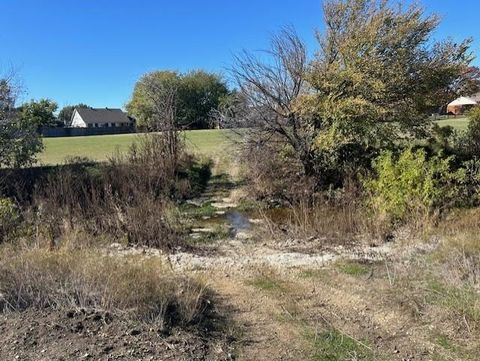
x: 101, y: 147
x: 204, y: 142
x: 457, y: 123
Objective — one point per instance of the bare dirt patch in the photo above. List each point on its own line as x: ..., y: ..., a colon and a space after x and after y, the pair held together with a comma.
x: 81, y: 335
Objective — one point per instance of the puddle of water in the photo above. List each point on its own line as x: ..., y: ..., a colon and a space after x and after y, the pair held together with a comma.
x: 238, y: 221
x: 235, y: 220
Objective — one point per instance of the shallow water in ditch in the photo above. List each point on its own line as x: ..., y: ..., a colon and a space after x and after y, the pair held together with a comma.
x: 238, y: 221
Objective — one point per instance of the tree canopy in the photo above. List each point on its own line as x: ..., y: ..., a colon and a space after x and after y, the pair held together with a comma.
x: 19, y: 140
x: 196, y: 94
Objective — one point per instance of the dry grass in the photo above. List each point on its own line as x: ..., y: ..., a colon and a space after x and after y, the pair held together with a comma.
x: 338, y: 223
x: 136, y: 288
x: 131, y: 198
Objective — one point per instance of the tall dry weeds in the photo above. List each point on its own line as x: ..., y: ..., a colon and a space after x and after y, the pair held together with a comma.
x: 137, y: 288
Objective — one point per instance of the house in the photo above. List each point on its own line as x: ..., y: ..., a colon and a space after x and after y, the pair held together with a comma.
x: 462, y: 104
x: 100, y: 118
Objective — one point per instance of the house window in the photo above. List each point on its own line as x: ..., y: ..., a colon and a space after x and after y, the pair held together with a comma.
x: 90, y: 125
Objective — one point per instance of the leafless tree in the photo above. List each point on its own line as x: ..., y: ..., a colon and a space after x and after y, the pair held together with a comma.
x: 270, y: 81
x: 163, y: 98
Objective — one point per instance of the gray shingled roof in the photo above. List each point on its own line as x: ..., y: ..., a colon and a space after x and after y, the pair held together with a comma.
x: 103, y: 115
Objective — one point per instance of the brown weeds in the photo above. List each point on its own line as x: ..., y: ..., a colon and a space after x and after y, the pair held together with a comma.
x: 138, y: 288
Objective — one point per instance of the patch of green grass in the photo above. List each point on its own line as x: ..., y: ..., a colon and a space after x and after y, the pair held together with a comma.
x: 267, y: 282
x: 205, y: 210
x: 456, y: 123
x: 334, y: 346
x: 444, y: 342
x: 314, y: 273
x: 354, y: 268
x: 100, y: 147
x: 218, y: 232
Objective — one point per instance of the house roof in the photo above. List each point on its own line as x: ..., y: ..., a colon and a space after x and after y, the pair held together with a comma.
x: 462, y: 101
x: 103, y: 115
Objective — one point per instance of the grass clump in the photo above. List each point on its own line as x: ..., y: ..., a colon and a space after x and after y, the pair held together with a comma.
x: 138, y: 289
x: 463, y: 302
x: 444, y: 342
x: 334, y: 346
x: 354, y: 268
x: 267, y: 281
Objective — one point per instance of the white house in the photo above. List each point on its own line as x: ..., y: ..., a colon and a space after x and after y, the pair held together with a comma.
x: 100, y: 117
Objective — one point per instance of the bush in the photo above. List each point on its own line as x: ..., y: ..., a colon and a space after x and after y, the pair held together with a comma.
x: 138, y: 288
x: 272, y: 172
x: 412, y: 186
x: 132, y: 197
x: 9, y: 219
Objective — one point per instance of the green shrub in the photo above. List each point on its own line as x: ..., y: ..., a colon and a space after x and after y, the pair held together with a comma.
x: 412, y: 185
x: 473, y: 132
x: 9, y: 219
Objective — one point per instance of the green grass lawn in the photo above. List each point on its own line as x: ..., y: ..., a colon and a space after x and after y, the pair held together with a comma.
x: 457, y: 123
x: 100, y: 147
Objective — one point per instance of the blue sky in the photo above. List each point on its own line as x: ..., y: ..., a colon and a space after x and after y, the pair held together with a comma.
x: 93, y: 51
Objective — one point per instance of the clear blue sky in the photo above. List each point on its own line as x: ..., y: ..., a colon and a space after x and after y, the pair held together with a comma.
x: 93, y: 51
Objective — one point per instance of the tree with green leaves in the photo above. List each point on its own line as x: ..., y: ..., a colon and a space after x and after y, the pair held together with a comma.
x: 197, y: 94
x: 65, y: 114
x: 142, y: 105
x: 200, y: 93
x: 19, y: 140
x: 375, y: 77
x: 39, y: 113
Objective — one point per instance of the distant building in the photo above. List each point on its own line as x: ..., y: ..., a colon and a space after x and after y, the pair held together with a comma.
x: 100, y: 118
x: 462, y: 104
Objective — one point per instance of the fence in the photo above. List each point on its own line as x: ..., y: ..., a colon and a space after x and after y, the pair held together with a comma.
x: 81, y: 132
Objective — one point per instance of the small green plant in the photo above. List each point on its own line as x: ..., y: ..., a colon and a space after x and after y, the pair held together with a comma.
x: 353, y: 268
x: 444, y: 342
x: 334, y: 346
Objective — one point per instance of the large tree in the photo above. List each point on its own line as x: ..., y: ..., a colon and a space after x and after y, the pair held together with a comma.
x: 375, y: 76
x: 142, y: 106
x: 197, y: 94
x: 39, y: 113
